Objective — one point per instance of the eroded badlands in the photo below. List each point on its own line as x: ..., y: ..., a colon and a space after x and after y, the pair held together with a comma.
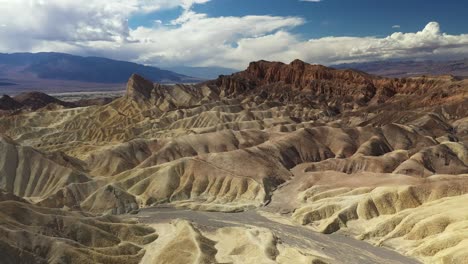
x: 334, y: 151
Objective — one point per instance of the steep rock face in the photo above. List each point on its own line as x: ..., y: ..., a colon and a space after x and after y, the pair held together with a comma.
x: 300, y: 74
x: 299, y: 82
x: 138, y: 88
x: 317, y: 85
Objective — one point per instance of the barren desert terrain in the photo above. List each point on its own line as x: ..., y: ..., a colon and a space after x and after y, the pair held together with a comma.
x: 280, y: 163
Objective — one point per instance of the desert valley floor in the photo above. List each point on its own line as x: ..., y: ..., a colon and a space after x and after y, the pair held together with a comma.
x: 280, y: 163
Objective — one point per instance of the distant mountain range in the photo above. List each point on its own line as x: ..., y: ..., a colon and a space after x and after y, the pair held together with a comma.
x: 60, y: 66
x: 59, y: 72
x: 410, y: 68
x: 207, y: 73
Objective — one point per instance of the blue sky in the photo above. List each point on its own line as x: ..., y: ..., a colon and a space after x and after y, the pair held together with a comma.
x: 337, y: 17
x: 231, y: 33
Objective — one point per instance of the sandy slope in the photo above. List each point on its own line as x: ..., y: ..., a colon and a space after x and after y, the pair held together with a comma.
x: 32, y: 234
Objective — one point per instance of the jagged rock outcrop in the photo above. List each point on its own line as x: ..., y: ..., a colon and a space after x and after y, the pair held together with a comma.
x: 299, y: 82
x: 139, y: 88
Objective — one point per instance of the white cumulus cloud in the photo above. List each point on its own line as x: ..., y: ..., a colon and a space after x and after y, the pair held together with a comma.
x: 100, y: 28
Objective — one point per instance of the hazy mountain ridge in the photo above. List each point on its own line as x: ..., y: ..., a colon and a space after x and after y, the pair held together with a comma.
x: 207, y: 73
x: 410, y: 68
x: 32, y: 101
x: 61, y: 66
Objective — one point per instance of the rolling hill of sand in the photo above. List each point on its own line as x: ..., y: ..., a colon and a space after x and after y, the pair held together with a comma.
x: 337, y: 151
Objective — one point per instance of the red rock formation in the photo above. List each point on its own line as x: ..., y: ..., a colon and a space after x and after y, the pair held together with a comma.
x: 300, y: 82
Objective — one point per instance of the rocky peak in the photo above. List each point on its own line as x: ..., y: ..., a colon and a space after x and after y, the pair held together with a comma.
x: 298, y: 72
x: 298, y: 64
x: 259, y: 69
x: 300, y: 82
x: 36, y: 100
x: 139, y: 88
x: 8, y: 103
